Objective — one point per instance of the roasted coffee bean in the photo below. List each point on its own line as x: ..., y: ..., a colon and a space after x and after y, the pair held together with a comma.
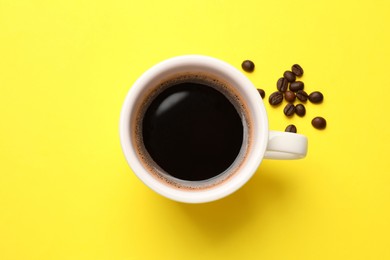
x: 289, y: 76
x: 300, y: 110
x: 291, y: 129
x: 316, y: 97
x: 319, y: 122
x: 302, y: 95
x: 261, y: 92
x: 289, y: 96
x: 297, y: 85
x: 289, y: 109
x: 297, y: 70
x: 282, y: 84
x: 248, y: 65
x: 276, y: 98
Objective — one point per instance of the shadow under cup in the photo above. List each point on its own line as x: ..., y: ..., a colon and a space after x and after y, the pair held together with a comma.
x: 211, y: 73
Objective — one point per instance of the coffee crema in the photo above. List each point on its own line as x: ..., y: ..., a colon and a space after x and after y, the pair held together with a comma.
x: 192, y: 131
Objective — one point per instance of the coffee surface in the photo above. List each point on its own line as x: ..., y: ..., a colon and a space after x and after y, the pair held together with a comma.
x: 192, y: 131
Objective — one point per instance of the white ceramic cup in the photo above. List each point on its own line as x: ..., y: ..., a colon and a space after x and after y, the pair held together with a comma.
x: 263, y: 142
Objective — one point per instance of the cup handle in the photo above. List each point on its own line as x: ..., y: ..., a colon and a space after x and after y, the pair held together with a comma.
x: 286, y: 146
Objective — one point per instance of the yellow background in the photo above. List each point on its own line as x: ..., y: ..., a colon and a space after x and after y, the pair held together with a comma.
x: 66, y: 191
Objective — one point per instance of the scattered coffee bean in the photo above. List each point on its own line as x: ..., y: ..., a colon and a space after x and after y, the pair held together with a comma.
x: 289, y: 109
x: 248, y: 65
x: 302, y: 95
x: 297, y: 85
x: 275, y: 98
x: 319, y: 122
x: 300, y: 110
x: 290, y: 90
x: 282, y: 84
x: 316, y: 97
x: 261, y: 92
x: 289, y: 76
x: 291, y: 129
x: 297, y: 70
x: 289, y: 96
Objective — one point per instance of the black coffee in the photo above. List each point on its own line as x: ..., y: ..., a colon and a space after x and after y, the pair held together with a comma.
x: 192, y: 131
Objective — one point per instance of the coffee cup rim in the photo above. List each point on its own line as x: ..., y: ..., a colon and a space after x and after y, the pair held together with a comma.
x: 255, y: 107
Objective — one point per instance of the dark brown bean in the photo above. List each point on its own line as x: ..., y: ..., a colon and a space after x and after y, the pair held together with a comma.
x: 300, y: 110
x: 282, y: 84
x: 289, y: 76
x: 291, y: 129
x: 297, y: 85
x: 319, y: 122
x: 297, y: 70
x: 316, y: 97
x: 289, y: 109
x: 275, y: 98
x: 248, y: 65
x: 261, y: 92
x: 302, y: 95
x: 289, y: 96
